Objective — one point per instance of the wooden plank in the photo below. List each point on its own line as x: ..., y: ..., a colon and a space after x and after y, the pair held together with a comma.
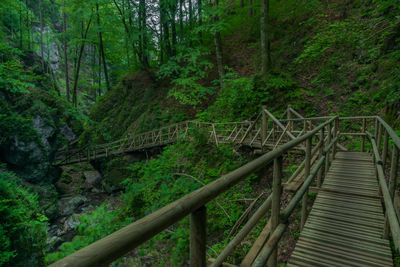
x: 348, y: 243
x: 257, y: 246
x: 345, y: 261
x: 355, y: 248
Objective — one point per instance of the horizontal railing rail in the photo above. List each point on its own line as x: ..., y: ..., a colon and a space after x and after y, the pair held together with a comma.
x: 117, y: 244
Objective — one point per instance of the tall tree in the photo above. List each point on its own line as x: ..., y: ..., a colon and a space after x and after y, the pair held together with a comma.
x: 101, y: 48
x: 218, y: 47
x: 265, y: 37
x: 41, y: 33
x: 65, y: 48
x: 79, y: 59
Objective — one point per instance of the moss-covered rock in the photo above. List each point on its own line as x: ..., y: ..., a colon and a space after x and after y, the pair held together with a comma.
x: 34, y: 126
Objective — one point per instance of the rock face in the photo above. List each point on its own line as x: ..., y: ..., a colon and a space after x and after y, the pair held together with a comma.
x: 93, y: 178
x: 67, y: 133
x: 44, y: 130
x: 30, y: 158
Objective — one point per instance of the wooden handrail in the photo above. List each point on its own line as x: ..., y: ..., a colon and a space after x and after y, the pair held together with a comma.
x: 276, y: 235
x: 390, y: 131
x: 117, y: 244
x: 387, y: 199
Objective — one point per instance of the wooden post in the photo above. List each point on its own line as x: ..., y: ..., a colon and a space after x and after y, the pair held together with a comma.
x: 379, y: 138
x: 335, y: 133
x: 198, y: 223
x: 289, y: 117
x: 264, y: 128
x: 392, y: 184
x: 363, y: 137
x: 321, y: 149
x: 328, y: 154
x: 215, y: 134
x: 306, y: 174
x: 276, y: 204
x: 385, y: 148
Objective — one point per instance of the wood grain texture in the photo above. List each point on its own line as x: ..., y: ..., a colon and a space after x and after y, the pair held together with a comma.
x: 346, y: 222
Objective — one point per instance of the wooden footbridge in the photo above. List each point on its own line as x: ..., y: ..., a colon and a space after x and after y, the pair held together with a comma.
x: 246, y: 133
x: 352, y: 221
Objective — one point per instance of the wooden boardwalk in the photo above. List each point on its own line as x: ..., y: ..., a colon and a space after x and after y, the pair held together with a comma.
x: 345, y: 225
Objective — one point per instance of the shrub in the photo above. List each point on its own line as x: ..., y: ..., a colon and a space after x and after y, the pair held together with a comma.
x: 22, y: 227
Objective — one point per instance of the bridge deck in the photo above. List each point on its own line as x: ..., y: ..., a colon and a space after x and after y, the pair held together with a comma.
x: 345, y: 225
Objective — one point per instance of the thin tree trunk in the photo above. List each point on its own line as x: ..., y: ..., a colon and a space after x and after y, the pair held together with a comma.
x: 218, y: 50
x: 78, y: 64
x: 250, y: 9
x: 143, y: 37
x: 20, y: 25
x: 161, y: 46
x: 99, y: 73
x: 164, y: 25
x: 173, y: 28
x: 181, y: 19
x: 102, y: 50
x: 263, y: 33
x: 27, y: 24
x: 41, y: 33
x: 268, y: 34
x: 190, y: 14
x: 199, y: 6
x: 65, y: 53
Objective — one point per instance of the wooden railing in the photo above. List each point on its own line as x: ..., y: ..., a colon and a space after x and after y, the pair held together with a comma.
x: 119, y: 243
x: 319, y: 143
x: 265, y: 132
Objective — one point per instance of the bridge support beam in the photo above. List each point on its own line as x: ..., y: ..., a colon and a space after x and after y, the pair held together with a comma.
x: 198, y: 224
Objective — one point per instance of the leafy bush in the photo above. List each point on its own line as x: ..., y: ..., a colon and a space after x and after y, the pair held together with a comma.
x: 94, y: 226
x: 22, y: 227
x: 187, y: 69
x: 180, y: 169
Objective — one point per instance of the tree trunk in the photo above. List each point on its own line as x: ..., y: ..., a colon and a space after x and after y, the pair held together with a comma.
x: 199, y: 6
x: 190, y: 14
x: 20, y: 25
x: 41, y: 33
x: 263, y: 32
x: 218, y: 50
x: 165, y: 28
x: 250, y: 9
x: 143, y: 38
x: 65, y: 52
x: 99, y: 72
x: 181, y: 19
x: 173, y: 28
x: 27, y: 25
x: 101, y: 47
x: 78, y: 63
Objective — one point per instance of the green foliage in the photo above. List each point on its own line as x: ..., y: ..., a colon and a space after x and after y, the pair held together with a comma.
x: 94, y: 226
x: 187, y: 69
x: 13, y: 77
x: 180, y: 169
x: 22, y: 227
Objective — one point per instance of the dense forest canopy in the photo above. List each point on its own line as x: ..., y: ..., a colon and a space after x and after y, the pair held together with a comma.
x: 76, y: 74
